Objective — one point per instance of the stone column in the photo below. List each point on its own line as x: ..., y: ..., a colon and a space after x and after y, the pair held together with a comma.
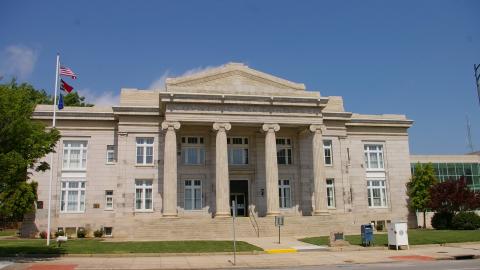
x: 222, y: 180
x: 319, y: 181
x: 170, y: 169
x: 271, y: 169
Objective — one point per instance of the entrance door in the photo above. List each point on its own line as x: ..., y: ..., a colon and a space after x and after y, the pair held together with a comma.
x: 239, y: 199
x: 239, y: 194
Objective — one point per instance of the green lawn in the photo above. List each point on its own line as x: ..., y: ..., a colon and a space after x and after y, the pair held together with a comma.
x: 8, y: 232
x: 93, y: 246
x: 415, y: 237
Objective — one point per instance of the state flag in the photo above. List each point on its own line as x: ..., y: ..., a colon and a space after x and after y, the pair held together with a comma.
x: 60, y: 102
x: 65, y: 86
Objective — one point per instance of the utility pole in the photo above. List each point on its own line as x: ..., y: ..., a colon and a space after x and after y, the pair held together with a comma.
x: 469, y: 136
x: 477, y: 79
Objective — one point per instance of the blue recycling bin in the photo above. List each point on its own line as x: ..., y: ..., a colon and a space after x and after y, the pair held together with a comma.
x: 367, y: 234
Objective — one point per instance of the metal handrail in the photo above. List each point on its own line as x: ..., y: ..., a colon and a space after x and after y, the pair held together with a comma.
x: 254, y: 223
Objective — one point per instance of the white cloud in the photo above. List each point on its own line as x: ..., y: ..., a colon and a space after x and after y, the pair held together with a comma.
x: 105, y: 98
x: 160, y: 82
x: 17, y: 61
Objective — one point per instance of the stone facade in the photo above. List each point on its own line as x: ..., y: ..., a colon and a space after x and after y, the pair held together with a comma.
x: 179, y: 155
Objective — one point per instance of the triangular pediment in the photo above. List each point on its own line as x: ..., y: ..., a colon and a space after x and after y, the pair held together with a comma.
x: 234, y: 78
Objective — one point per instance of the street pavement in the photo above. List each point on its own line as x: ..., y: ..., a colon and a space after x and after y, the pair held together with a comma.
x: 345, y: 259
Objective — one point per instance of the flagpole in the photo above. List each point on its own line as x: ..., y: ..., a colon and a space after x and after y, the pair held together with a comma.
x: 51, y: 154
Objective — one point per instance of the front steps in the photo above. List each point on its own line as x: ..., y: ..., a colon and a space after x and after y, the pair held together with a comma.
x: 203, y: 228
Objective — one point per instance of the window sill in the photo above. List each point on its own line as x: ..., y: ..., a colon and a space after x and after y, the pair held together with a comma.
x: 328, y: 165
x: 375, y: 170
x: 72, y: 212
x: 110, y: 163
x: 378, y: 207
x: 332, y: 208
x: 144, y: 165
x: 74, y: 170
x: 143, y: 211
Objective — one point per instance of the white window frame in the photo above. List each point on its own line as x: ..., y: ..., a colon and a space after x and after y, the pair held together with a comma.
x: 327, y: 147
x: 198, y: 146
x: 144, y: 145
x: 67, y: 149
x: 243, y: 146
x: 330, y: 183
x: 285, y: 144
x: 192, y: 187
x: 284, y: 188
x: 382, y: 187
x: 65, y: 188
x: 107, y: 198
x: 143, y: 185
x: 378, y: 152
x: 111, y: 150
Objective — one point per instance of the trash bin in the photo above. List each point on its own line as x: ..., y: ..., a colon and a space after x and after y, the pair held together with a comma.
x: 367, y: 234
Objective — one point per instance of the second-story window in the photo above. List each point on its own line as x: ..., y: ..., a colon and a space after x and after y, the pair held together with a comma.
x: 111, y: 154
x: 193, y: 150
x: 144, y: 151
x: 74, y: 155
x: 237, y: 150
x: 327, y: 152
x: 373, y: 156
x: 284, y: 151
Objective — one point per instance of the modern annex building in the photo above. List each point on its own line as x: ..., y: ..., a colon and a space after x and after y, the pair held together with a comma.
x: 166, y: 163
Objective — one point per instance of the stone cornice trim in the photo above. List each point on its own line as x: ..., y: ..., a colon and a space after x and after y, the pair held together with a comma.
x: 168, y: 97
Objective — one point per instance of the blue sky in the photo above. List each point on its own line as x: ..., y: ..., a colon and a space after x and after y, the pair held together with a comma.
x: 408, y: 57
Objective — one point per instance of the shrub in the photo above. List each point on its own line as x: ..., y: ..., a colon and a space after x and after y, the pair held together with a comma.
x: 43, y: 235
x: 81, y: 233
x: 466, y: 221
x: 98, y: 233
x: 59, y: 233
x: 442, y: 220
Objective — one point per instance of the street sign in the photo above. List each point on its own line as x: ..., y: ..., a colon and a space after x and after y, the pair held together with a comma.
x: 279, y: 221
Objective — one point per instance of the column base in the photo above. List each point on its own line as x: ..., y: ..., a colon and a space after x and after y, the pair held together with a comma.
x: 169, y: 216
x: 222, y: 215
x: 321, y: 213
x: 273, y: 214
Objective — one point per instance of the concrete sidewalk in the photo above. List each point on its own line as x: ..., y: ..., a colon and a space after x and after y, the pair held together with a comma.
x: 209, y: 261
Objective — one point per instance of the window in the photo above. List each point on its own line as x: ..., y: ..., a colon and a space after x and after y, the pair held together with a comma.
x: 330, y: 193
x: 144, y: 151
x: 143, y: 195
x: 74, y: 155
x: 193, y: 150
x: 237, y: 150
x: 284, y: 193
x: 377, y: 193
x: 284, y: 151
x: 108, y: 199
x: 73, y: 196
x: 108, y: 231
x: 327, y: 151
x: 373, y: 156
x: 111, y: 154
x: 193, y: 194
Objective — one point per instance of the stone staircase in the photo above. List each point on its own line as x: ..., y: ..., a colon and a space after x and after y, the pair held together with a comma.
x: 200, y: 228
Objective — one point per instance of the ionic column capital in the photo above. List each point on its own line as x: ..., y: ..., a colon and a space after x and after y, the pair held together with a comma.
x: 170, y: 125
x: 271, y: 127
x: 222, y: 126
x: 317, y: 128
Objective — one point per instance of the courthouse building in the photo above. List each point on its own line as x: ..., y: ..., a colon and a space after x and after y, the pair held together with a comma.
x: 167, y: 163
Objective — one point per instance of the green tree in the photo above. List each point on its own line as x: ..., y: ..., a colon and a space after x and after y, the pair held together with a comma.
x: 74, y: 99
x: 23, y: 142
x: 418, y: 188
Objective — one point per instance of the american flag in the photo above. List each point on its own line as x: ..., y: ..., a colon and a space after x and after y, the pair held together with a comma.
x: 67, y: 72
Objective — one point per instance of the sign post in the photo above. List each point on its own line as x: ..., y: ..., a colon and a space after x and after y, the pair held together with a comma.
x: 279, y: 221
x: 234, y: 214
